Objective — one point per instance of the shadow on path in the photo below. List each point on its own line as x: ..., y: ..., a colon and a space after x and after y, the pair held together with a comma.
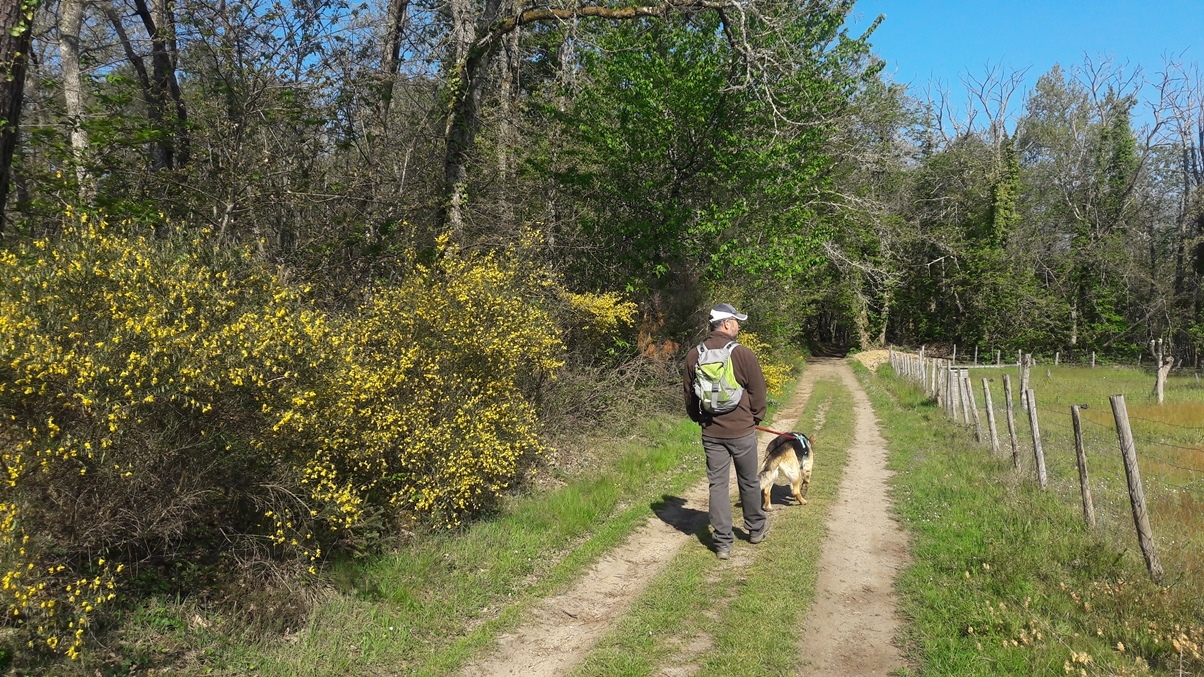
x: 672, y: 510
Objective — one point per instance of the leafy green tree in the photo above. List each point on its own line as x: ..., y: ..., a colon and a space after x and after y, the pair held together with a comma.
x: 685, y: 173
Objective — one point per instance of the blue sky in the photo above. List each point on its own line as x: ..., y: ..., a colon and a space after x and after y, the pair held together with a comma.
x: 926, y: 40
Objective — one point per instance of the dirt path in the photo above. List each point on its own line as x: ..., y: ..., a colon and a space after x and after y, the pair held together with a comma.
x: 562, y: 629
x: 849, y: 628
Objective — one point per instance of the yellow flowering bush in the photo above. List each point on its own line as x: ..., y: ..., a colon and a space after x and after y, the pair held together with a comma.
x: 134, y: 377
x: 160, y: 398
x: 777, y: 373
x: 593, y: 322
x: 429, y: 412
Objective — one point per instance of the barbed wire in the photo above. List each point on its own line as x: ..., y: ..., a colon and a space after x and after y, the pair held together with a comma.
x: 1198, y: 450
x: 1155, y: 459
x: 1175, y: 425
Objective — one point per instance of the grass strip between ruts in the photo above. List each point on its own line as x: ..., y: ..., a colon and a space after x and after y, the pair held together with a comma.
x: 1005, y: 578
x: 706, y: 612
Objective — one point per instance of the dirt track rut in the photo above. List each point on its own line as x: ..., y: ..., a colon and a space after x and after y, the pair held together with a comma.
x: 850, y: 627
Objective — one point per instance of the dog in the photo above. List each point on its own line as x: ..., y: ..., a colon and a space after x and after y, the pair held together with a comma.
x: 788, y: 454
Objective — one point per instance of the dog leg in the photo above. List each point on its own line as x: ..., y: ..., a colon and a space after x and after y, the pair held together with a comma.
x: 767, y: 479
x: 798, y: 496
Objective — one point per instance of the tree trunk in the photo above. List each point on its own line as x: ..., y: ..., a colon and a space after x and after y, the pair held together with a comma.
x: 16, y: 36
x: 466, y: 67
x: 1163, y: 371
x: 174, y: 150
x: 885, y: 319
x: 862, y: 322
x: 507, y: 130
x: 1163, y: 363
x: 71, y: 14
x: 154, y: 107
x: 390, y: 61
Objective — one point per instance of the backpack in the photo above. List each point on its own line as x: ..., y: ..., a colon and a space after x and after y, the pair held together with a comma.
x: 715, y: 380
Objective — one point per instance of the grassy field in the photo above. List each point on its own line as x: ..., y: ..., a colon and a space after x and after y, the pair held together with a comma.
x: 1007, y: 579
x: 1169, y: 438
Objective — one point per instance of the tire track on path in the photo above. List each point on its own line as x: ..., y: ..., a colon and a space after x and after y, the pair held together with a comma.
x: 852, y: 624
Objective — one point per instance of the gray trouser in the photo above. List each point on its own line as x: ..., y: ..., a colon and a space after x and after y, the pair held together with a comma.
x: 720, y: 454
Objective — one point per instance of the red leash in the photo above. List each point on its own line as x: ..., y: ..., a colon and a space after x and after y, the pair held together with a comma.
x: 780, y: 434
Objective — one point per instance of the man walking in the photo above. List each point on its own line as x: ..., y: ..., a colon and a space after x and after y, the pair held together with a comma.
x: 725, y: 394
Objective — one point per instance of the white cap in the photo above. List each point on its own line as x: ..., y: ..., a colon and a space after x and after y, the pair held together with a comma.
x: 725, y: 311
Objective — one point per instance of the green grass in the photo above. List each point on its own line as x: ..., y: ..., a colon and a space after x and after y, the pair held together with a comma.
x: 1006, y: 578
x: 700, y: 610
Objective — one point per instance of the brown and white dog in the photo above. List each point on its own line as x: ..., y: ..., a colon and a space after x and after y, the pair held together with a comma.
x: 788, y: 454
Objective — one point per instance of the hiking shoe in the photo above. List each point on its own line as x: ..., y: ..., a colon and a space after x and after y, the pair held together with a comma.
x: 760, y: 535
x: 724, y: 553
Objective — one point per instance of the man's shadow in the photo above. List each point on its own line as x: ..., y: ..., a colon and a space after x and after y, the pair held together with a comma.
x: 672, y: 510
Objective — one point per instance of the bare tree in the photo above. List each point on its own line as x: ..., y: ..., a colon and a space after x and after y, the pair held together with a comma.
x: 159, y: 20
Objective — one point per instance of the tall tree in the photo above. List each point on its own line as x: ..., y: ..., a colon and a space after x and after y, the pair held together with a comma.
x: 16, y: 36
x: 173, y: 148
x: 71, y: 14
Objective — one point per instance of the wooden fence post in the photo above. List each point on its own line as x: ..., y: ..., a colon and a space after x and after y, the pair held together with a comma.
x: 975, y: 354
x: 962, y: 380
x: 978, y: 436
x: 1025, y: 369
x: 986, y: 398
x: 1093, y: 359
x: 1136, y: 494
x: 939, y: 383
x: 1081, y: 453
x: 998, y: 358
x: 923, y: 372
x: 1007, y: 399
x: 944, y: 387
x: 947, y: 388
x: 1038, y: 452
x: 955, y: 393
x: 953, y: 360
x: 1057, y: 355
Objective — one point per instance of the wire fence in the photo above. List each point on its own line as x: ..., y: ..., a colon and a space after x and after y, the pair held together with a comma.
x: 1187, y: 360
x: 1150, y: 494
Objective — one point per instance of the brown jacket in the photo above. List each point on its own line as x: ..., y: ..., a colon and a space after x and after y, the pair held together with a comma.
x: 741, y: 420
